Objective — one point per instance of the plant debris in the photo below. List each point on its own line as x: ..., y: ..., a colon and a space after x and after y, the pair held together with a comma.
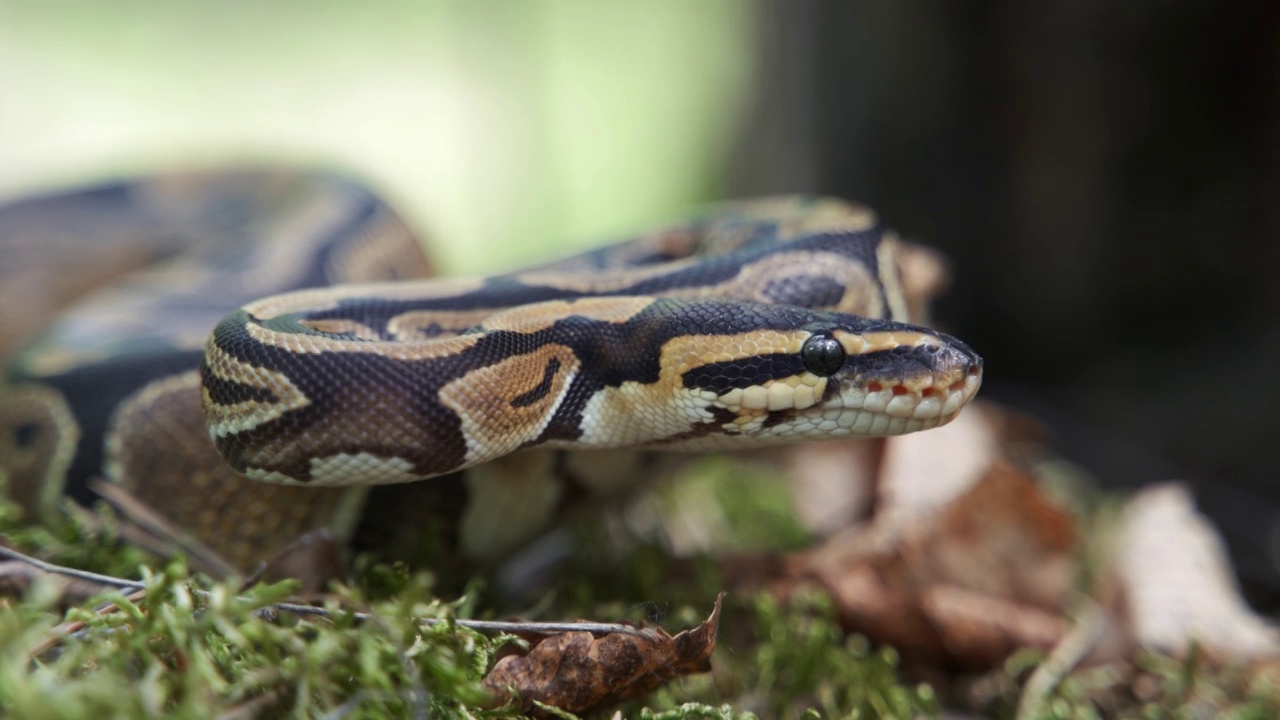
x: 580, y: 672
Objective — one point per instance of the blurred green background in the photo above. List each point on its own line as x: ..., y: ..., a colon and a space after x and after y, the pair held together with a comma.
x: 507, y: 129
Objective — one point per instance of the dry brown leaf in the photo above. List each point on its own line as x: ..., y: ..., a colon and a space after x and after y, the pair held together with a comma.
x: 989, y: 574
x: 579, y: 672
x: 981, y: 630
x: 964, y: 561
x: 1003, y: 538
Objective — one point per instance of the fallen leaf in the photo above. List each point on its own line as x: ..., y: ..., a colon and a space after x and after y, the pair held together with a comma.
x: 1003, y: 538
x: 964, y: 561
x: 980, y: 630
x: 579, y: 672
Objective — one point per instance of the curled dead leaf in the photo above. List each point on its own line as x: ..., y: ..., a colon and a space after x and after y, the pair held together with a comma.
x: 580, y: 672
x: 964, y: 560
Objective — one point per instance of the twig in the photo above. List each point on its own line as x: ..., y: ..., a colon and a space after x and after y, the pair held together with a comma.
x: 1062, y: 660
x: 543, y: 628
x: 93, y: 577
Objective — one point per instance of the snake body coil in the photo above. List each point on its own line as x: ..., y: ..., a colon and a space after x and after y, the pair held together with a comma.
x: 757, y: 324
x: 597, y: 373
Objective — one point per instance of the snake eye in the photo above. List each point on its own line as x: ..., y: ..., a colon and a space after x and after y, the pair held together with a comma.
x: 822, y: 355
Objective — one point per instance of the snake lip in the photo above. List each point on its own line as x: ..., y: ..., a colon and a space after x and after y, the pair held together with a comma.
x: 913, y: 387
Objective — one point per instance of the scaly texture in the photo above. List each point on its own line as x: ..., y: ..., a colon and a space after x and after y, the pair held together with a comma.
x: 705, y: 334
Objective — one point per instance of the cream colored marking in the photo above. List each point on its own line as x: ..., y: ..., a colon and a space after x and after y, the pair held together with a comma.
x: 270, y: 476
x: 799, y: 392
x: 781, y: 396
x: 600, y: 282
x: 225, y: 419
x: 510, y: 501
x: 861, y: 296
x: 901, y: 405
x: 36, y: 475
x: 755, y: 397
x: 798, y: 216
x: 930, y: 407
x: 47, y: 361
x: 890, y: 278
x: 634, y: 413
x: 320, y: 299
x: 482, y: 400
x: 539, y: 316
x: 338, y: 469
x: 862, y: 343
x: 665, y: 407
x: 396, y: 350
x: 854, y: 412
x: 805, y: 396
x: 412, y: 325
x: 685, y: 352
x: 339, y: 326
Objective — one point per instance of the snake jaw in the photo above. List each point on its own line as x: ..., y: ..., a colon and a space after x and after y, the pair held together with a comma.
x: 893, y: 379
x: 901, y: 382
x: 930, y: 379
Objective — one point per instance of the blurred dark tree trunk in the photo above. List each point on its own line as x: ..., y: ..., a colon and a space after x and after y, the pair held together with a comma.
x: 1106, y: 180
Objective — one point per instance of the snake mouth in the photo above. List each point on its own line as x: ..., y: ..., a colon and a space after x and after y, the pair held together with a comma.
x: 889, y: 390
x: 906, y: 389
x: 879, y: 408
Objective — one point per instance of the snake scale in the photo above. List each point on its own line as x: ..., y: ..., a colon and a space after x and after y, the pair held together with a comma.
x: 332, y: 367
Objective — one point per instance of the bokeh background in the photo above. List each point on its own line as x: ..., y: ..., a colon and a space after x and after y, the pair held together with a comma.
x: 1105, y: 177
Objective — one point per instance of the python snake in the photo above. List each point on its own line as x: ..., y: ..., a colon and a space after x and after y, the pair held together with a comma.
x: 758, y: 323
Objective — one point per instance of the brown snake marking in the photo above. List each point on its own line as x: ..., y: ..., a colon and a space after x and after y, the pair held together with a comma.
x: 598, y: 350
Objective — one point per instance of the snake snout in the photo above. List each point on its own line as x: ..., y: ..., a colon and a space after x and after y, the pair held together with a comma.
x: 915, y: 386
x: 954, y: 356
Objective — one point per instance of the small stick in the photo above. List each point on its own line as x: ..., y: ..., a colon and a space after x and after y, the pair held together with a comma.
x: 543, y: 628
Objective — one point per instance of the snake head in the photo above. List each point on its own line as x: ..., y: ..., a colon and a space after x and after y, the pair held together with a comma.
x: 287, y: 401
x: 765, y: 374
x: 886, y: 381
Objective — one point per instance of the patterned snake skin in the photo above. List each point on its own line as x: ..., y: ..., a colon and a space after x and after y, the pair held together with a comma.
x: 759, y: 323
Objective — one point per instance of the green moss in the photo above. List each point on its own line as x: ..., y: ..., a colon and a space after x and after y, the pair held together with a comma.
x: 184, y: 654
